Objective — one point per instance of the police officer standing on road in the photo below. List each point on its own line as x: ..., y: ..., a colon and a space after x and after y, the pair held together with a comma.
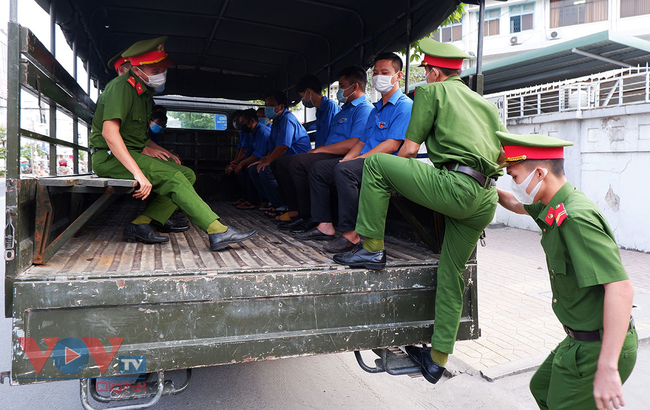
x: 592, y: 295
x: 119, y: 136
x: 459, y: 128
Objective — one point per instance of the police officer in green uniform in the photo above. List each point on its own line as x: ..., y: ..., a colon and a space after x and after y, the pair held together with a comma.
x: 118, y: 139
x: 459, y: 128
x: 592, y: 295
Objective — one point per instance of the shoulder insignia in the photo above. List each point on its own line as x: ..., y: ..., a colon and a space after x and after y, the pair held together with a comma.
x: 557, y: 214
x: 131, y: 81
x: 561, y: 214
x: 139, y: 89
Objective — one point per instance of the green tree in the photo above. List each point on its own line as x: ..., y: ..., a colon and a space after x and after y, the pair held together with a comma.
x: 195, y: 120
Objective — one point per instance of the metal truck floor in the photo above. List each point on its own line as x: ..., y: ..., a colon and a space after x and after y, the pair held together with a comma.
x: 100, y: 251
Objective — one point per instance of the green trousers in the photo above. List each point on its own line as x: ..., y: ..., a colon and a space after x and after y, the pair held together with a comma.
x: 468, y: 209
x: 566, y: 378
x: 172, y: 183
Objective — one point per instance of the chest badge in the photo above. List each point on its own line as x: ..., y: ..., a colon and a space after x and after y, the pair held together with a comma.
x: 381, y: 125
x: 557, y: 214
x: 342, y: 120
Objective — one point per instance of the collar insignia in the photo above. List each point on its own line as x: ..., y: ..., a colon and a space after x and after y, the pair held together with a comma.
x: 557, y: 214
x: 139, y: 89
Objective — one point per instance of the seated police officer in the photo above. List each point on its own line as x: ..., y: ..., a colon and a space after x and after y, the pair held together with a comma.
x: 344, y: 132
x: 118, y: 138
x: 384, y: 133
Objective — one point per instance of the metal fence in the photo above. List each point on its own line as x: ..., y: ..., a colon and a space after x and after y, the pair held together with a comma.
x: 611, y: 89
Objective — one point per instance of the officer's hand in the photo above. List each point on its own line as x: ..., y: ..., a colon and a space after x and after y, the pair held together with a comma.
x: 144, y: 188
x: 608, y: 389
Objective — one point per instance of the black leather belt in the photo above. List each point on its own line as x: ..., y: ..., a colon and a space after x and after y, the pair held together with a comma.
x: 590, y: 336
x: 482, y: 180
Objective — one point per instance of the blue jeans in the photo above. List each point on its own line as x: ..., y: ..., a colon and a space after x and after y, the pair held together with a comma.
x: 266, y: 185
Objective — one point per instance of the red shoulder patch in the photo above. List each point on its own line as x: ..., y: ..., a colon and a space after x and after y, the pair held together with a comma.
x: 561, y: 214
x: 139, y: 89
x: 131, y: 81
x: 550, y: 216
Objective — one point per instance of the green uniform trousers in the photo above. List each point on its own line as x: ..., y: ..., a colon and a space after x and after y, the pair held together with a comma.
x: 566, y: 378
x: 172, y: 183
x: 468, y: 209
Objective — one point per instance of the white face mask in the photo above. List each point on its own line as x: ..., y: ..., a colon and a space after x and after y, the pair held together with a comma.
x: 382, y: 83
x: 428, y: 80
x: 155, y: 80
x: 519, y: 190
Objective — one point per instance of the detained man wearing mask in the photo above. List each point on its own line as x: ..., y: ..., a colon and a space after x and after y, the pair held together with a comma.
x: 288, y: 137
x: 310, y: 90
x: 119, y: 136
x: 384, y: 133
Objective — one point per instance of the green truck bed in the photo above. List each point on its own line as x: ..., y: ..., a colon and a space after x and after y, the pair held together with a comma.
x: 180, y: 305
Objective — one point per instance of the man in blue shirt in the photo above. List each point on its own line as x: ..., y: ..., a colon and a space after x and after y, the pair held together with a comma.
x: 384, y: 133
x: 288, y: 137
x: 258, y: 147
x: 344, y: 132
x: 310, y: 90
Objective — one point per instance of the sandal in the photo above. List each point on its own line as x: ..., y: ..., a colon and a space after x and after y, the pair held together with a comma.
x: 239, y: 201
x: 246, y: 205
x: 272, y: 214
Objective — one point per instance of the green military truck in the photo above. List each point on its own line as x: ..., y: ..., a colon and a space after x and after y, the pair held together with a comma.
x: 86, y: 305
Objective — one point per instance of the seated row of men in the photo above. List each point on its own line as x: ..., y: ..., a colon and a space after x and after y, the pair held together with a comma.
x: 278, y: 166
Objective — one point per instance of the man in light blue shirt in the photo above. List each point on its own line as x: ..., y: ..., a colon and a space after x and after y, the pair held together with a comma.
x: 345, y: 130
x: 288, y: 137
x: 384, y: 133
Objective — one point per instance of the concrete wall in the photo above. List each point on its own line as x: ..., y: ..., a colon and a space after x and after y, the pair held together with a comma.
x: 610, y: 162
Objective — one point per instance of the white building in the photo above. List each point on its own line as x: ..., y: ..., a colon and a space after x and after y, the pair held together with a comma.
x: 518, y: 26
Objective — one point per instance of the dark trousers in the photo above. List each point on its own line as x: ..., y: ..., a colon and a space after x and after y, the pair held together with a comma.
x: 248, y: 190
x: 266, y: 185
x: 346, y: 178
x: 292, y: 174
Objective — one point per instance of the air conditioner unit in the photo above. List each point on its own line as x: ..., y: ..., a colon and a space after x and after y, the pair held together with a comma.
x: 554, y: 35
x: 514, y: 40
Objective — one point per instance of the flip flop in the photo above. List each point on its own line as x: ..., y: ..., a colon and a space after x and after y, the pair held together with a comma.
x: 239, y: 201
x: 246, y: 206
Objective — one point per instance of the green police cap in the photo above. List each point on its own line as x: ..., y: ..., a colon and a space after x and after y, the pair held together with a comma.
x: 443, y: 55
x: 149, y: 52
x: 519, y: 147
x: 117, y: 60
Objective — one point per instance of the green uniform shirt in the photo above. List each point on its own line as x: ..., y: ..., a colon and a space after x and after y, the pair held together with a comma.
x: 128, y: 99
x: 458, y: 126
x: 581, y: 255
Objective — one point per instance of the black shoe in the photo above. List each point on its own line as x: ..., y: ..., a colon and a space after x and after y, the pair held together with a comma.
x: 339, y: 245
x: 361, y: 258
x: 143, y: 233
x: 170, y: 225
x: 179, y: 218
x: 288, y: 225
x: 313, y: 234
x: 221, y: 240
x: 431, y: 370
x: 306, y: 226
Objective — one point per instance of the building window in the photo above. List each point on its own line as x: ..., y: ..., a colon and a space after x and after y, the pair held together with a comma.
x: 571, y: 12
x: 491, y: 24
x: 449, y: 33
x: 521, y: 17
x: 631, y: 8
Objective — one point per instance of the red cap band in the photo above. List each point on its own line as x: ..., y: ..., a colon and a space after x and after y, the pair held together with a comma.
x: 119, y: 62
x: 152, y: 57
x: 442, y: 62
x: 516, y: 153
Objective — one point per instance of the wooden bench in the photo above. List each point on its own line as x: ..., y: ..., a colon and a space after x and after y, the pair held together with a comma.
x: 76, y: 185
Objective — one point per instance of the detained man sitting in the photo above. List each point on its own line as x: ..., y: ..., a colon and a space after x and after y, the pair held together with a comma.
x: 343, y: 133
x: 384, y: 133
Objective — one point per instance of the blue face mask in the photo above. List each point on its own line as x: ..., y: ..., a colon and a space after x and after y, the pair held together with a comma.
x: 340, y: 97
x: 159, y: 90
x: 156, y: 129
x: 263, y: 120
x: 270, y: 112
